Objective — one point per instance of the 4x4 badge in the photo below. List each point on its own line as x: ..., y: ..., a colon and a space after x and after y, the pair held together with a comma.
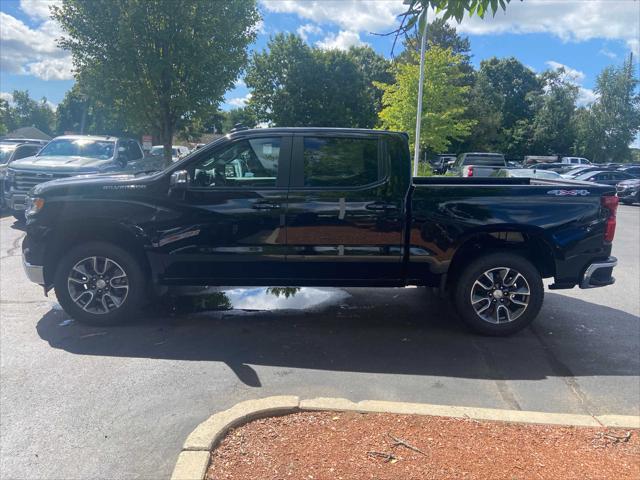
x: 568, y: 193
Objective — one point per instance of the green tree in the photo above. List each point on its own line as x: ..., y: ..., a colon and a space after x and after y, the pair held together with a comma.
x: 552, y: 126
x: 444, y: 100
x: 80, y: 105
x: 293, y: 84
x: 606, y: 129
x: 234, y: 116
x: 441, y: 34
x: 163, y: 64
x: 501, y: 101
x: 24, y: 111
x: 5, y: 117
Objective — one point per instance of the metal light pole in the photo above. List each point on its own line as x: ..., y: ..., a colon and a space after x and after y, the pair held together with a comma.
x: 423, y: 46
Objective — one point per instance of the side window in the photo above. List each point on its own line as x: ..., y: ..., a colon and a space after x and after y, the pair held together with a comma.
x: 340, y: 162
x: 24, y: 151
x: 135, y: 152
x: 247, y: 163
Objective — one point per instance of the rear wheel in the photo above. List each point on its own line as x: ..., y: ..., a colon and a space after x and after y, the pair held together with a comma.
x: 99, y: 283
x: 499, y: 294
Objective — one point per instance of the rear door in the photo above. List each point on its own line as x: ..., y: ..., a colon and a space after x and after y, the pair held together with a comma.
x: 345, y: 215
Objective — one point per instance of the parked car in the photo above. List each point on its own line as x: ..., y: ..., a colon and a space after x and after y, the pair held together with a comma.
x: 633, y: 170
x: 67, y: 156
x: 604, y: 177
x: 628, y: 191
x: 478, y: 164
x: 554, y: 167
x: 527, y: 173
x: 440, y: 164
x: 177, y: 151
x: 10, y: 151
x: 317, y: 206
x: 535, y: 159
x: 574, y: 172
x: 575, y: 160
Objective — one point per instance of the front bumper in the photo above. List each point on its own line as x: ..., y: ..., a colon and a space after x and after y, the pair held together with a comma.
x: 15, y: 201
x: 598, y: 274
x: 35, y: 273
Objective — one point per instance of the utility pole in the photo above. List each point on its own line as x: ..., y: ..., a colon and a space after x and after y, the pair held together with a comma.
x: 423, y: 46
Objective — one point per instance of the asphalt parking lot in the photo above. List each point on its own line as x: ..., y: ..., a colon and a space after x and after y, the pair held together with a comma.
x: 79, y: 402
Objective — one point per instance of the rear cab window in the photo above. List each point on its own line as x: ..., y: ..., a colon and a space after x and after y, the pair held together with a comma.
x: 489, y: 160
x: 337, y: 161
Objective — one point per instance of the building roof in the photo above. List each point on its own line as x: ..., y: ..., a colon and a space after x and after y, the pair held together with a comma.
x: 28, y: 132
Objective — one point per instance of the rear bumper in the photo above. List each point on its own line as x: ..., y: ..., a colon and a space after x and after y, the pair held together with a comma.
x: 598, y: 274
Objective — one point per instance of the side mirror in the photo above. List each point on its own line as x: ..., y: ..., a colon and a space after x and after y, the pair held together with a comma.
x: 179, y: 180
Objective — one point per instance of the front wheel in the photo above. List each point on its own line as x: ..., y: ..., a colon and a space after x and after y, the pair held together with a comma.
x: 499, y: 294
x: 99, y: 284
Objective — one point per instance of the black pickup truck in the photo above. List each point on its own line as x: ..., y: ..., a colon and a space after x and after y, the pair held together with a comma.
x: 311, y: 207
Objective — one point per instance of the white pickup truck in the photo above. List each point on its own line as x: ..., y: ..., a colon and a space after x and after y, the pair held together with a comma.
x: 478, y: 164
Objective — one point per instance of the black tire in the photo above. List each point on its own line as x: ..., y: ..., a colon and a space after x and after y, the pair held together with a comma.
x: 135, y: 280
x: 627, y: 202
x: 466, y: 286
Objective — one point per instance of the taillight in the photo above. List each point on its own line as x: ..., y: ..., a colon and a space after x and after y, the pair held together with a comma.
x: 611, y: 204
x: 470, y: 171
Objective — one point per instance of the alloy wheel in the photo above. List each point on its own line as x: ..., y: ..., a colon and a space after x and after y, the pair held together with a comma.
x: 98, y: 285
x: 500, y: 295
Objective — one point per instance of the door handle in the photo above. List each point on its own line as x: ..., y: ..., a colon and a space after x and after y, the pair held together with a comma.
x: 266, y: 206
x: 381, y: 207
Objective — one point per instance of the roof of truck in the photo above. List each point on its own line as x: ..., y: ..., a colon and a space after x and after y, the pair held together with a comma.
x: 293, y: 130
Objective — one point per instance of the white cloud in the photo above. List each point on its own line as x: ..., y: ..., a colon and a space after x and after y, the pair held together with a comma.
x: 33, y: 51
x: 608, y: 53
x: 6, y: 96
x: 576, y: 76
x: 342, y: 41
x: 586, y: 96
x: 570, y: 20
x: 239, y: 102
x: 354, y: 15
x: 308, y: 29
x: 38, y: 9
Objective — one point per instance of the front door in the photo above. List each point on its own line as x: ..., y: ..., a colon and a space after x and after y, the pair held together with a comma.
x: 233, y: 221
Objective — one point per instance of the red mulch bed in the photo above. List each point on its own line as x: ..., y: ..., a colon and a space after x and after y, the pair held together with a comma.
x: 334, y: 446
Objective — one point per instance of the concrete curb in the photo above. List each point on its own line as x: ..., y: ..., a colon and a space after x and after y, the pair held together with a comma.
x: 193, y: 461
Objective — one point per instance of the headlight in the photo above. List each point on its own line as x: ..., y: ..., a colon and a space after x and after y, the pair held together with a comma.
x: 34, y: 205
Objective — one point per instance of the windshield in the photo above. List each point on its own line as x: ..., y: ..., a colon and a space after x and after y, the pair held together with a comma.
x: 83, y: 147
x: 5, y: 152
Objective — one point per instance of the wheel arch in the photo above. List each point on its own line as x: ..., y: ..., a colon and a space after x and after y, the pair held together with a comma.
x: 67, y: 237
x: 529, y: 245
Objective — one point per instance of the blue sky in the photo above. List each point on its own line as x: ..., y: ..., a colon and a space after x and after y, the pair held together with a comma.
x: 583, y: 35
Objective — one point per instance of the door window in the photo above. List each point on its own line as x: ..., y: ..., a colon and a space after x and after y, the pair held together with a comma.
x: 135, y: 152
x: 340, y: 162
x: 247, y: 163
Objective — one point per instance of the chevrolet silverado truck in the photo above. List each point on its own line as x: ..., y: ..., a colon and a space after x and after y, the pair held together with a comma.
x: 317, y: 207
x: 67, y: 156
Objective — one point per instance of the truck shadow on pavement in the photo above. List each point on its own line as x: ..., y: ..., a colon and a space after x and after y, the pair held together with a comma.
x: 394, y: 331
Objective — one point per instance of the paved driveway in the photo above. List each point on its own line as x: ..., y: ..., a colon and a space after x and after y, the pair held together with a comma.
x: 82, y: 402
